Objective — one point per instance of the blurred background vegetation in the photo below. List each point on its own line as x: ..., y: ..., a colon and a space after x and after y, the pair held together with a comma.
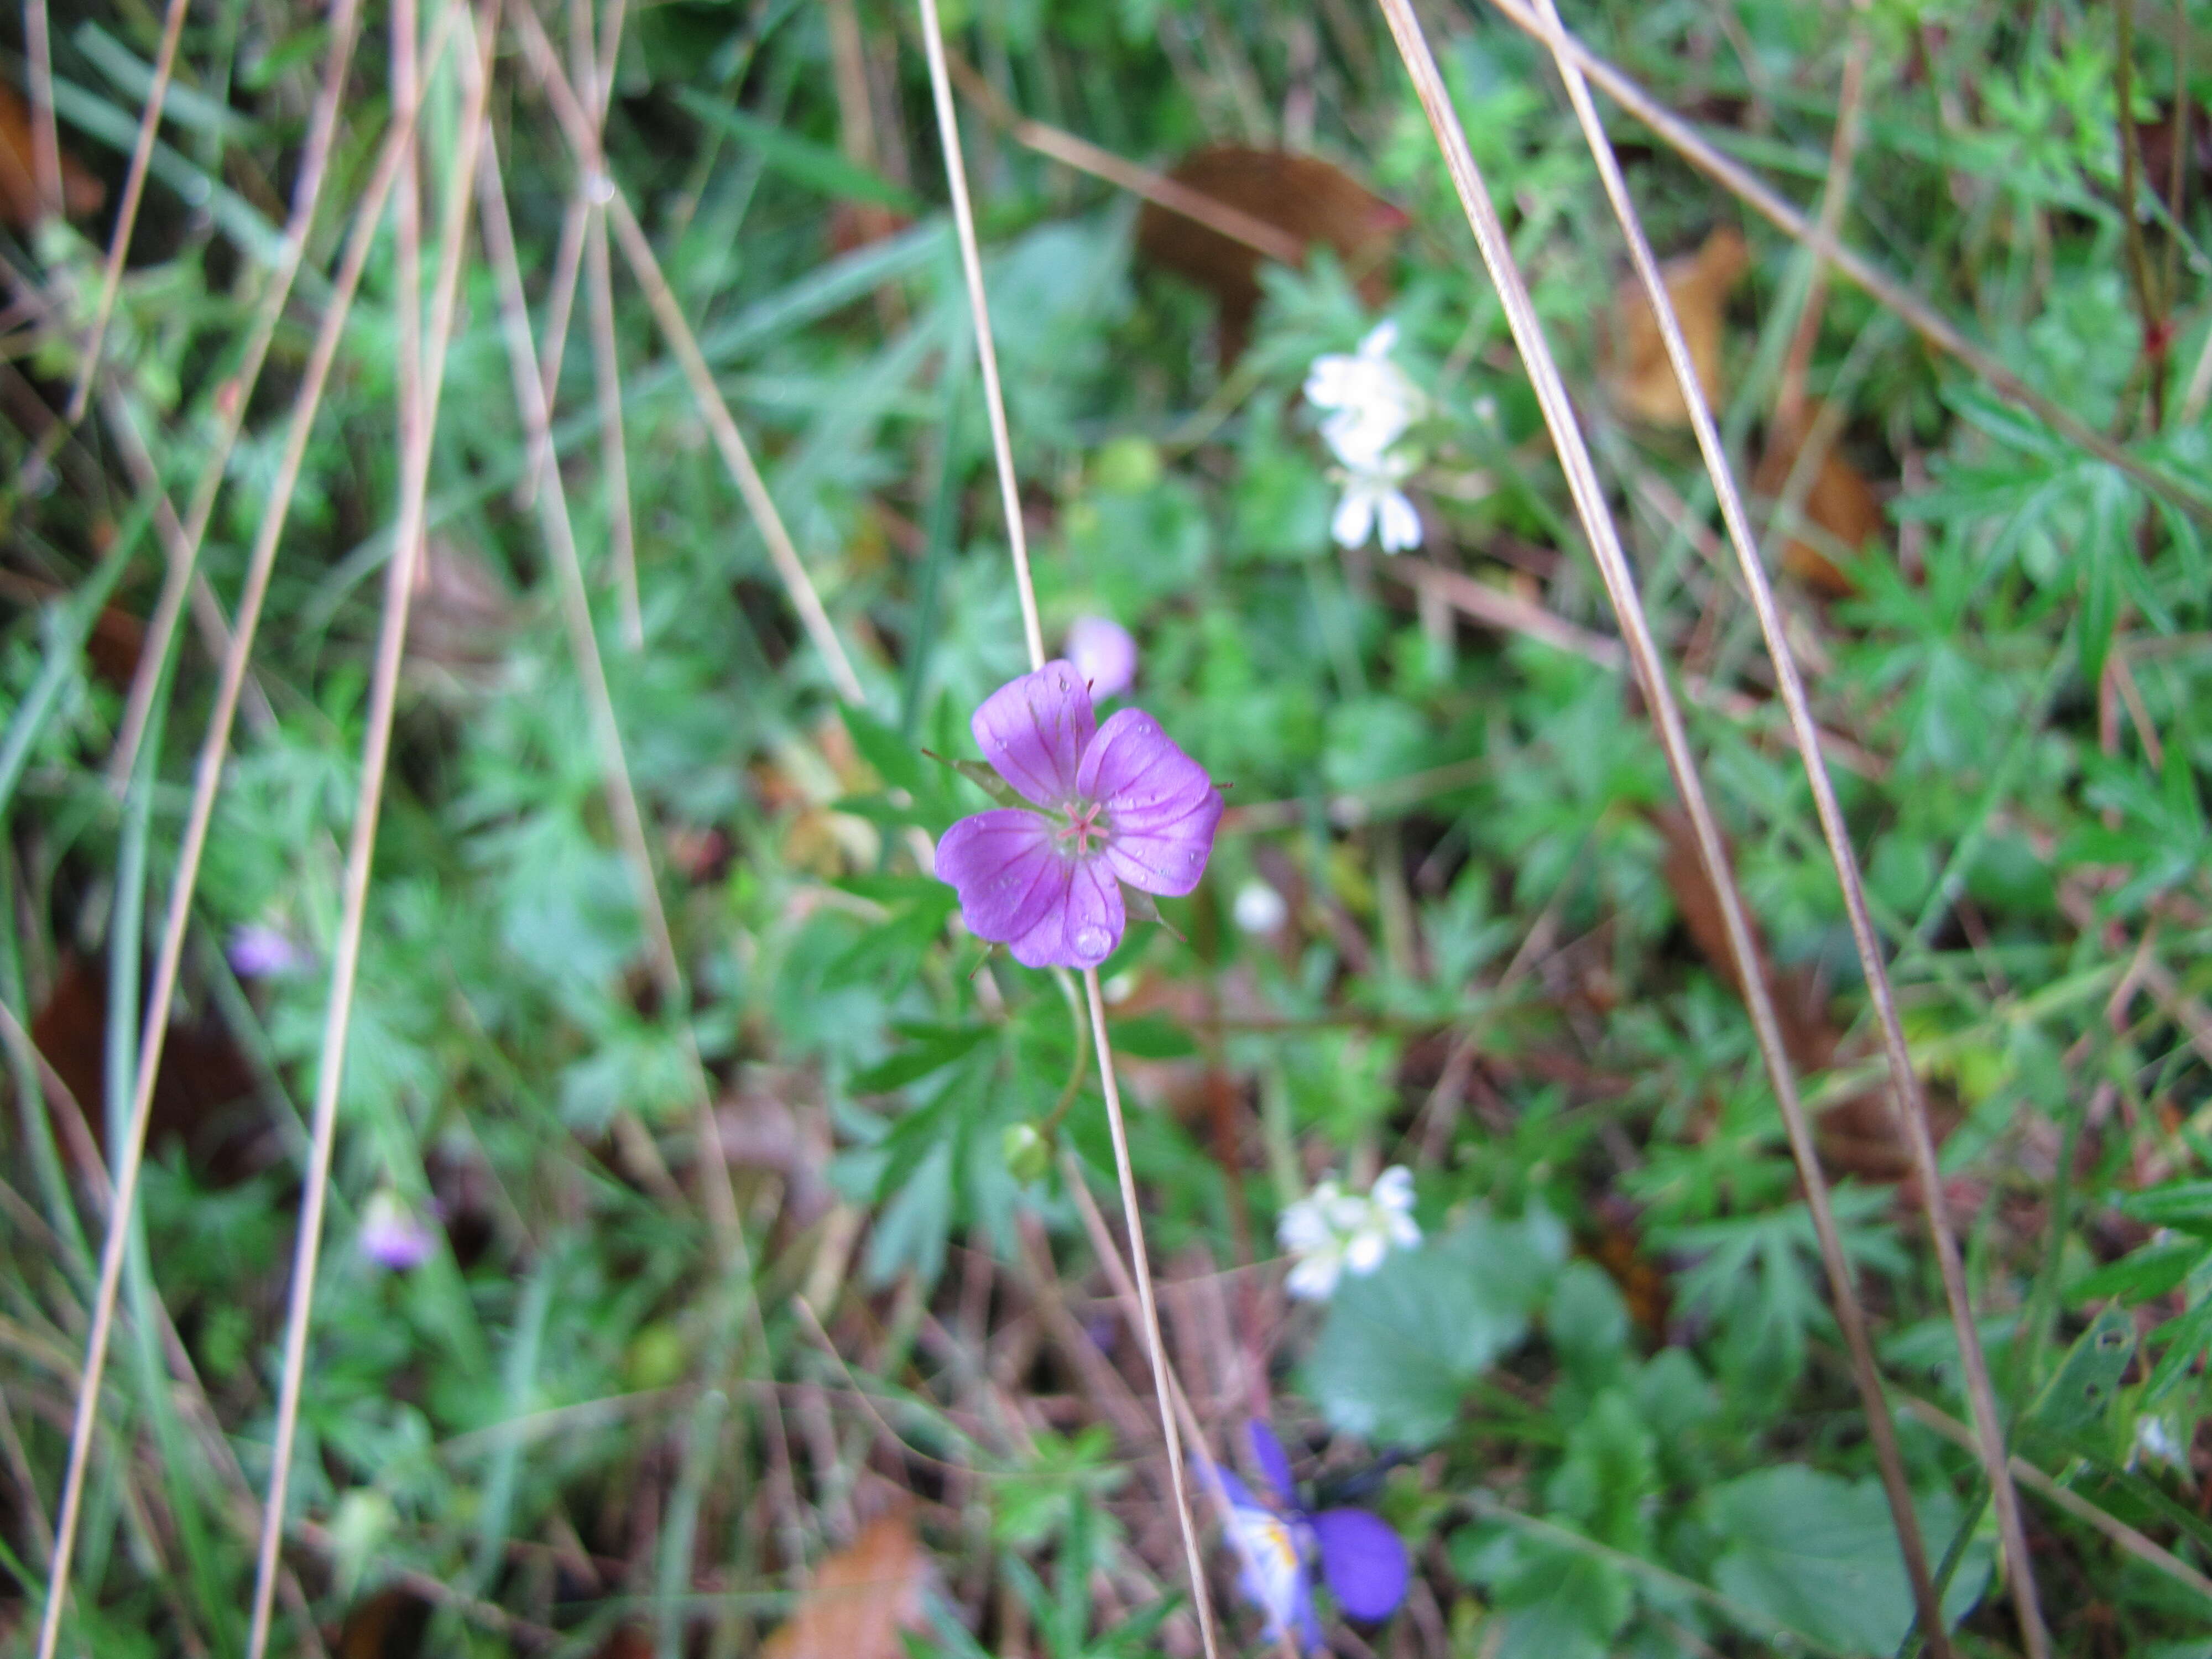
x: 552, y: 1403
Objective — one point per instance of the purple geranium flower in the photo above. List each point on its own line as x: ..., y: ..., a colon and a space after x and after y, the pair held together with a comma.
x: 1119, y: 803
x: 258, y: 950
x: 1362, y: 1560
x: 1104, y: 653
x: 392, y: 1234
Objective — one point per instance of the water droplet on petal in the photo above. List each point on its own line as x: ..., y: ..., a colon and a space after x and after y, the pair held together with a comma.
x: 1092, y: 943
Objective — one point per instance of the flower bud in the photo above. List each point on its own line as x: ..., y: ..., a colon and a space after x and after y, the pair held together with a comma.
x: 1028, y: 1152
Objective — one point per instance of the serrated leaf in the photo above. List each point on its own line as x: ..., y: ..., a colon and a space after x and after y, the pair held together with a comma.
x: 938, y: 1048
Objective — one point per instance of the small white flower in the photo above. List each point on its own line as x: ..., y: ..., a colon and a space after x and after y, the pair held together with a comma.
x: 2155, y: 1439
x: 1332, y: 1232
x: 1371, y: 402
x: 1374, y: 501
x: 1259, y: 908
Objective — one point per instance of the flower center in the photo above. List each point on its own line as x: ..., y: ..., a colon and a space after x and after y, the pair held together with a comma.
x: 1086, y: 822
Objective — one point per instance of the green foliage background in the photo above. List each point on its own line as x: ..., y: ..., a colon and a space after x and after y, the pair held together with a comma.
x: 1605, y: 1402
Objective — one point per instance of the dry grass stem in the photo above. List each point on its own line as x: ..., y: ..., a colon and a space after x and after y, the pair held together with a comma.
x: 126, y: 217
x: 1270, y: 240
x: 1620, y: 582
x: 419, y: 394
x: 1167, y: 1390
x: 306, y: 194
x: 972, y: 262
x: 1909, y: 1109
x: 979, y: 311
x: 734, y: 1252
x: 45, y: 140
x: 2146, y: 1550
x: 206, y: 780
x: 577, y: 125
x: 1109, y: 1253
x: 1835, y: 196
x: 1917, y: 313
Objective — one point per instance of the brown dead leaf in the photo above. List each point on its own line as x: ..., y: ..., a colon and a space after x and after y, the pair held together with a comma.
x: 389, y: 1625
x: 1638, y: 376
x: 459, y: 617
x: 1313, y: 200
x: 862, y: 1598
x: 1840, y: 503
x: 2158, y: 140
x: 81, y: 190
x: 203, y: 1076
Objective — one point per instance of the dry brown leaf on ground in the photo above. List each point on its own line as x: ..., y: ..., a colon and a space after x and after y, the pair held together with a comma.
x: 1840, y: 503
x: 1313, y: 200
x: 1638, y: 376
x: 862, y: 1598
x: 81, y: 190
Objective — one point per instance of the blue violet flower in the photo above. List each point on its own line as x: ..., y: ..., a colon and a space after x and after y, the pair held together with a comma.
x: 1362, y: 1560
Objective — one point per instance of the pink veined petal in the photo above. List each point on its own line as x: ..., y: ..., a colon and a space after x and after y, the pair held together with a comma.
x: 1161, y: 807
x: 1034, y: 730
x: 1007, y: 870
x: 1084, y: 924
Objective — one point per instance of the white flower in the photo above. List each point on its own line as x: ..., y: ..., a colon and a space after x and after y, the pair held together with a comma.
x: 1259, y: 908
x: 1331, y: 1232
x: 2155, y: 1439
x: 1372, y: 401
x: 1372, y: 499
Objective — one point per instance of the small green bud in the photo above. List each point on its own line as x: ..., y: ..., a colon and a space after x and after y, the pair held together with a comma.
x: 1028, y: 1152
x: 1127, y: 466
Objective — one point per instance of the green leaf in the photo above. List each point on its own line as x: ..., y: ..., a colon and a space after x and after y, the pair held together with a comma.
x: 936, y: 1047
x: 2184, y: 1204
x: 2074, y: 1407
x: 2187, y: 1338
x: 1610, y: 1470
x: 801, y: 159
x: 1587, y: 1321
x: 1400, y: 1346
x: 1556, y: 1603
x: 2150, y: 1272
x: 1818, y: 1554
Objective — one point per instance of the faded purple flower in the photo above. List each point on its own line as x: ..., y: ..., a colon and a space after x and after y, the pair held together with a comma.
x: 392, y: 1234
x: 1118, y: 803
x: 1361, y: 1560
x: 1104, y: 653
x: 258, y: 950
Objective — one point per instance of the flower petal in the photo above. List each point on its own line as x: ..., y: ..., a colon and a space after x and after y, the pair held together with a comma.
x: 1007, y: 870
x: 1401, y: 525
x: 1104, y: 653
x: 1380, y: 339
x: 1083, y: 923
x: 1363, y: 1562
x: 1267, y: 1452
x: 1355, y: 515
x: 1034, y: 730
x: 1161, y: 807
